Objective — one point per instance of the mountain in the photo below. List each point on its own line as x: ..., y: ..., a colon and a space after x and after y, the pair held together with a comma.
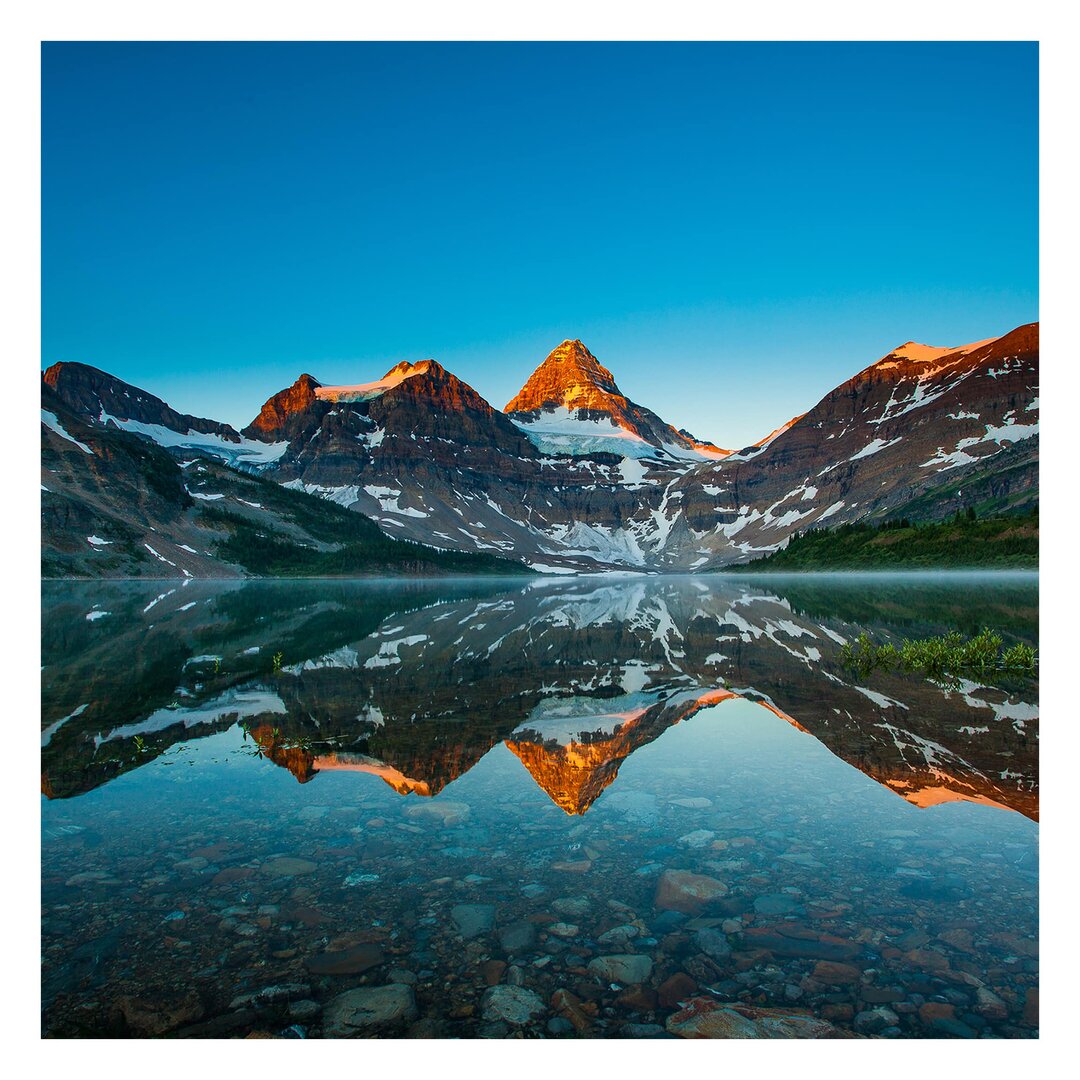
x: 572, y: 405
x: 423, y: 454
x: 573, y: 476
x: 99, y: 399
x: 117, y: 503
x: 922, y: 432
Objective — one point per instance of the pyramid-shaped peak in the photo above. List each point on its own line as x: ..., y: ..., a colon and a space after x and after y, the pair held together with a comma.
x: 576, y: 352
x: 572, y: 345
x: 569, y: 377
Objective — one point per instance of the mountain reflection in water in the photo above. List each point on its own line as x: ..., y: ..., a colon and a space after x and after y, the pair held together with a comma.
x: 417, y: 688
x: 497, y: 780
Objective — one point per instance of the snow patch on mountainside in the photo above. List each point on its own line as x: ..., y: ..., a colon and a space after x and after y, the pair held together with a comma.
x: 564, y: 431
x: 366, y: 391
x: 238, y: 703
x: 342, y: 494
x: 53, y: 424
x: 387, y: 498
x: 245, y: 452
x: 1008, y: 432
x: 561, y: 431
x: 874, y: 447
x: 598, y: 541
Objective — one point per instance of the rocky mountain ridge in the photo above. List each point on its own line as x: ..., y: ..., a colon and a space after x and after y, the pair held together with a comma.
x: 574, y: 476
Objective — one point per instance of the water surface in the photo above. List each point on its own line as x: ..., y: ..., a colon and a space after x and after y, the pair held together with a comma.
x: 438, y: 809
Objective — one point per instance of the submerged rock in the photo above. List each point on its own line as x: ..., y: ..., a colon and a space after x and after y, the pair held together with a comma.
x: 288, y: 867
x: 679, y: 890
x: 473, y: 919
x: 155, y: 1016
x: 712, y: 943
x: 775, y: 904
x: 873, y: 1021
x: 622, y: 968
x: 513, y: 1004
x: 449, y: 813
x: 564, y: 930
x: 698, y: 839
x: 618, y: 935
x: 368, y: 1008
x: 572, y: 906
x: 704, y: 1018
x: 517, y: 937
x: 352, y: 961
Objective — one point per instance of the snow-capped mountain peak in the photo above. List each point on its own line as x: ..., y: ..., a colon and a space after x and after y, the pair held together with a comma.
x: 365, y: 391
x: 571, y: 404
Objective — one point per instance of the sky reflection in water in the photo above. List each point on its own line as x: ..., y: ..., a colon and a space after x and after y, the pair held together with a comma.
x: 473, y: 783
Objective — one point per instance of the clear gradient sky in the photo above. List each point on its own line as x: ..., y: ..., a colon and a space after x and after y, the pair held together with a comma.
x: 733, y: 229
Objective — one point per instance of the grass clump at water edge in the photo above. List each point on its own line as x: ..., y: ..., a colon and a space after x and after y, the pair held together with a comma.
x: 945, y: 654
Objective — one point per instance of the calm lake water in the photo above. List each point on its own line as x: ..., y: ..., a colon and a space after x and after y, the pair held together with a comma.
x: 575, y: 809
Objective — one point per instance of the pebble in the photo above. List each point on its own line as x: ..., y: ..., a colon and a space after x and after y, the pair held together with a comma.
x: 712, y: 943
x: 698, y: 839
x: 618, y: 935
x: 775, y: 904
x: 304, y: 1010
x: 564, y: 930
x: 359, y: 877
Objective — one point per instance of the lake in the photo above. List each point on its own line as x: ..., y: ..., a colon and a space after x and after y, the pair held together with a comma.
x: 591, y: 808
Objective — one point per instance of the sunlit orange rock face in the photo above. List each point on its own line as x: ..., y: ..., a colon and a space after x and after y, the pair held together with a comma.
x: 572, y: 378
x: 402, y: 784
x: 936, y: 788
x: 300, y: 762
x: 274, y: 417
x: 573, y: 776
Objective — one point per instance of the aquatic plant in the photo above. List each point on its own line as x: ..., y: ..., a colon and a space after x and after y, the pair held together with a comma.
x: 945, y: 654
x: 277, y: 659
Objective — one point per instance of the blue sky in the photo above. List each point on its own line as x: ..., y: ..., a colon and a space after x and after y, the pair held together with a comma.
x: 733, y: 229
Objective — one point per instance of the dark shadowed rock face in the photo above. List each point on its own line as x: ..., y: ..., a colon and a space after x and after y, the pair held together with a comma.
x: 95, y: 396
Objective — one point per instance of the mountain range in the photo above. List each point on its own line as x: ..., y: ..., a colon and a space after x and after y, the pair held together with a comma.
x: 572, y: 476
